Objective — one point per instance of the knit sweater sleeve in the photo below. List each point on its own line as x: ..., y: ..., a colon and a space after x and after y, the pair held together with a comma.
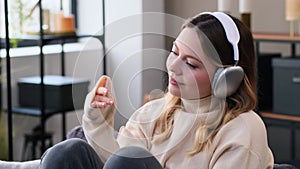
x: 98, y: 124
x: 140, y: 127
x: 99, y: 128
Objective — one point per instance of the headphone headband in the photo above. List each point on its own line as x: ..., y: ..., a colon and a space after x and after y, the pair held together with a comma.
x: 227, y: 80
x: 231, y: 30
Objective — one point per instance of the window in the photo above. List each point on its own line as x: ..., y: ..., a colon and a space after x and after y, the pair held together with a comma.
x: 24, y: 19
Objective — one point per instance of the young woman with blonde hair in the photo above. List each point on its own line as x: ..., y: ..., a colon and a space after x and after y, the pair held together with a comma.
x: 205, y: 120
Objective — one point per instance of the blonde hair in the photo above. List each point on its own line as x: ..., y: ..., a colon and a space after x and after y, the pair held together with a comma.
x: 164, y: 124
x: 243, y: 100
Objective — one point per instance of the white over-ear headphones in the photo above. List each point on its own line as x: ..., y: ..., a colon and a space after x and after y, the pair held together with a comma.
x: 227, y: 80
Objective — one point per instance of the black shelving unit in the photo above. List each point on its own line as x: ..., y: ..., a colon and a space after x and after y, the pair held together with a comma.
x: 272, y: 117
x: 42, y: 40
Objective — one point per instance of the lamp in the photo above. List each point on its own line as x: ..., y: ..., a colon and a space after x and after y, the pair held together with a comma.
x: 224, y: 5
x: 245, y: 7
x: 292, y: 13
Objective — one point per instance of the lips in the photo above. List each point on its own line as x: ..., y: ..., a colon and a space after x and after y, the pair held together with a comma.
x: 172, y: 81
x: 175, y: 82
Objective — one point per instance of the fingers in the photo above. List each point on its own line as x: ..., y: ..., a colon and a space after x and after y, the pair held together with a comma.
x: 107, y: 100
x: 101, y: 99
x: 103, y: 82
x: 96, y: 104
x: 102, y: 91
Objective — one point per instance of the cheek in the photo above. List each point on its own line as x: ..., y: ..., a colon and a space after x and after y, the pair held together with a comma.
x: 203, y: 81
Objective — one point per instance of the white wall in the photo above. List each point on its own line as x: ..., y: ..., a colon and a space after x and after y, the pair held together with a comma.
x: 125, y: 44
x: 154, y: 50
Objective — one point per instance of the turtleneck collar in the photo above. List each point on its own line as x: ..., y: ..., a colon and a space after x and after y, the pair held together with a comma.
x: 209, y: 110
x: 197, y: 105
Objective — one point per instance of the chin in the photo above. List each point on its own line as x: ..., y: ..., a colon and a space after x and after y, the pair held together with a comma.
x: 186, y: 95
x: 178, y: 94
x: 174, y: 91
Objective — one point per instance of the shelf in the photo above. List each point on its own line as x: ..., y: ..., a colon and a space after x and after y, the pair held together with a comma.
x: 280, y: 116
x: 52, y: 80
x: 259, y: 37
x: 34, y: 111
x: 47, y: 38
x: 276, y: 119
x: 290, y: 121
x: 276, y: 37
x: 61, y: 93
x: 54, y: 39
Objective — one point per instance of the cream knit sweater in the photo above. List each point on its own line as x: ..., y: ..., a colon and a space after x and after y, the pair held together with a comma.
x: 240, y: 144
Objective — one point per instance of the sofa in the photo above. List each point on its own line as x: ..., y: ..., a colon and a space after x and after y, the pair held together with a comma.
x: 77, y: 132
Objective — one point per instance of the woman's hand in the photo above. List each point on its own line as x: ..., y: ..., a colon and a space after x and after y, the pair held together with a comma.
x: 101, y: 99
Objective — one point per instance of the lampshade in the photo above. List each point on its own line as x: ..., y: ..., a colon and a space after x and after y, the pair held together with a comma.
x: 224, y: 5
x: 292, y: 10
x: 245, y: 6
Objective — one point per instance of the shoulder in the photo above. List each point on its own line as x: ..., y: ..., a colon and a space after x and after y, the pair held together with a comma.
x: 245, y: 129
x: 247, y: 121
x: 244, y: 138
x: 250, y: 121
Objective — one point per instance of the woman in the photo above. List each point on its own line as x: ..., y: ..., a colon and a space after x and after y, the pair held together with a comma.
x: 205, y: 120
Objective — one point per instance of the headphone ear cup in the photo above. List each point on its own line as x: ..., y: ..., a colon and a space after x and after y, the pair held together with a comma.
x: 227, y: 80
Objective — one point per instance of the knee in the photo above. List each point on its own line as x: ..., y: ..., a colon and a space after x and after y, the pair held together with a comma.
x: 132, y: 157
x: 66, y: 148
x: 72, y: 153
x: 73, y: 143
x: 70, y: 146
x: 133, y: 152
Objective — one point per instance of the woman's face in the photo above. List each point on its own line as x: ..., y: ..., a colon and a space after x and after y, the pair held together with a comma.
x: 188, y: 68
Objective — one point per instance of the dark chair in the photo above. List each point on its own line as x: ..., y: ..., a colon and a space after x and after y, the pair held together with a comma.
x: 34, y: 139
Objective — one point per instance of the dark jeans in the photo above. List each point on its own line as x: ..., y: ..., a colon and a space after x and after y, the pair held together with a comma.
x: 77, y: 154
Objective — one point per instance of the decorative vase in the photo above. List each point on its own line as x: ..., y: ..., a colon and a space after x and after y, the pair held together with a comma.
x: 224, y: 5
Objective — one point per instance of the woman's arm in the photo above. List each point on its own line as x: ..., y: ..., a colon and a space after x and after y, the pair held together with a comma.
x: 98, y: 118
x: 98, y: 122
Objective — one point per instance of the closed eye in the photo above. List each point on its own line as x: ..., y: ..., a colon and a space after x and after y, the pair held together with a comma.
x: 190, y: 65
x: 175, y: 53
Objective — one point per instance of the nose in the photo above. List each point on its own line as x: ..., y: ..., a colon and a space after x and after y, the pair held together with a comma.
x: 174, y: 64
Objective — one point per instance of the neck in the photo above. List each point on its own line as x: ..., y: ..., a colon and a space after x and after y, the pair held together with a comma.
x: 197, y: 105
